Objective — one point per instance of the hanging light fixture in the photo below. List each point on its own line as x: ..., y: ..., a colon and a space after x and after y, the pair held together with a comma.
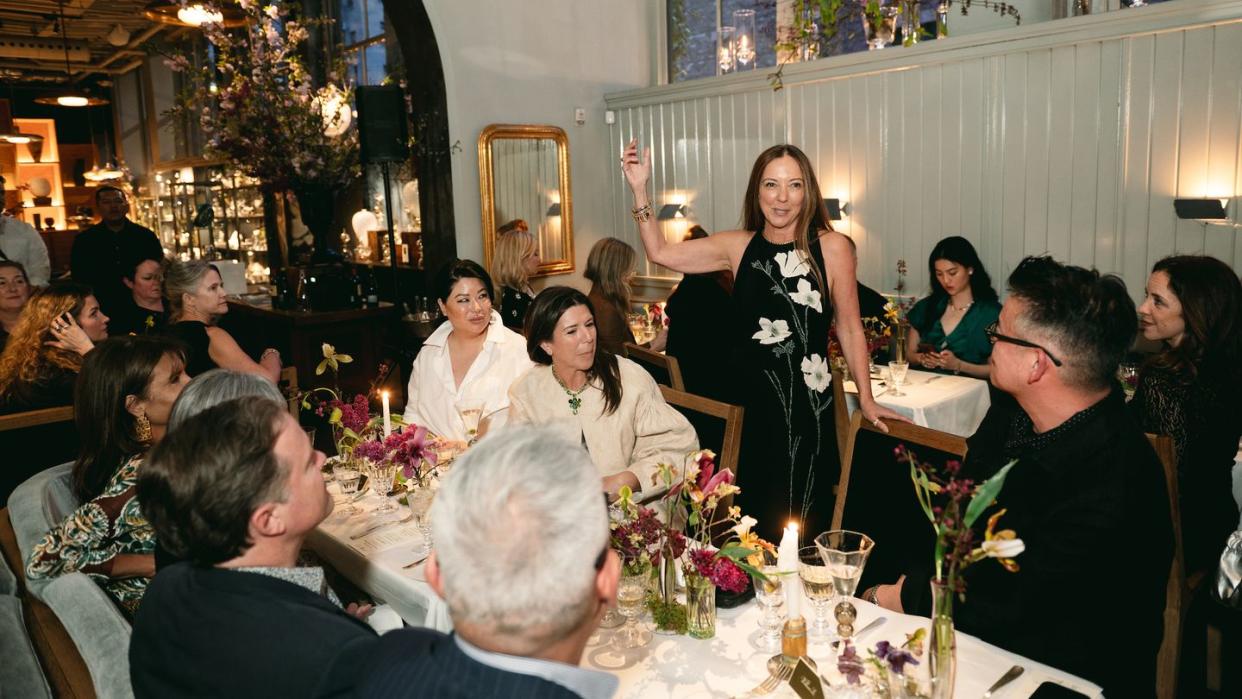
x: 194, y: 14
x: 70, y: 96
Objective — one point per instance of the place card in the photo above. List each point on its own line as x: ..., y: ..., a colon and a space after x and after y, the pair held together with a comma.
x: 805, y: 681
x: 386, y: 538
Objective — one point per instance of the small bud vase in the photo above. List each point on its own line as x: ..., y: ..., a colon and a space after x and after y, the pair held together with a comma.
x: 942, y: 646
x: 700, y: 607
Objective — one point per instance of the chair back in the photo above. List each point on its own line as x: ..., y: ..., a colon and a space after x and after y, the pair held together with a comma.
x: 662, y: 367
x: 876, y: 497
x: 718, y: 425
x: 840, y: 410
x: 288, y: 384
x: 37, y: 505
x: 52, y: 429
x: 1177, y: 593
x: 34, y: 418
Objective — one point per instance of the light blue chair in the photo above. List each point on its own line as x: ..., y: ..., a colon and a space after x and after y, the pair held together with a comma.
x: 20, y: 674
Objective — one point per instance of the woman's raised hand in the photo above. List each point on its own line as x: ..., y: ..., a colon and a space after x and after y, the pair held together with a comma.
x: 636, y: 170
x: 69, y: 335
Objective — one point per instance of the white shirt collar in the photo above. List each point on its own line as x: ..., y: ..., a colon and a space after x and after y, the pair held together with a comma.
x: 495, y: 332
x: 590, y: 684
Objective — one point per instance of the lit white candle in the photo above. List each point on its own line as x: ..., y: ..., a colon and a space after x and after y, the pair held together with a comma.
x: 787, y: 564
x: 387, y: 415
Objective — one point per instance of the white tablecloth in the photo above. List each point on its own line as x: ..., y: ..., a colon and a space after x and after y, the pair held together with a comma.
x: 729, y: 665
x: 953, y: 404
x: 374, y: 562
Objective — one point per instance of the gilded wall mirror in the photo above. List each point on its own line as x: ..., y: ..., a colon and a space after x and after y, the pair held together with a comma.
x: 524, y: 174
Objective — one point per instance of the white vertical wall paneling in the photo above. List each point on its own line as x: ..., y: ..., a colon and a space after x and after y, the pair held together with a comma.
x: 1220, y: 168
x: 1075, y: 149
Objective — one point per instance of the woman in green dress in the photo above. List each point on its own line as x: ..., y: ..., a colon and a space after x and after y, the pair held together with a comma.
x: 948, y: 328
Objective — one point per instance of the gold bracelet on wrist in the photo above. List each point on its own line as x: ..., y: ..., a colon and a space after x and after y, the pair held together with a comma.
x: 642, y: 214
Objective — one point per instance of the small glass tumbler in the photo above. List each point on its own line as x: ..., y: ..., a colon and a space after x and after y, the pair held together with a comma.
x: 897, y: 372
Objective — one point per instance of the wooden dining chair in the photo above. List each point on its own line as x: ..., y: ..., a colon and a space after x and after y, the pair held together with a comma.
x: 719, y: 425
x: 662, y: 367
x: 875, y: 495
x: 1181, y: 588
x: 840, y: 410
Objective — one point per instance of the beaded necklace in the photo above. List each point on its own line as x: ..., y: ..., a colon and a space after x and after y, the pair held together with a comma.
x: 575, y: 399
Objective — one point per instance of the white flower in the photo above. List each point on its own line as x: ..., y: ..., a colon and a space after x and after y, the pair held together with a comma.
x: 807, y: 296
x: 771, y: 331
x: 793, y: 263
x: 815, y: 373
x: 1003, y: 548
x: 743, y: 527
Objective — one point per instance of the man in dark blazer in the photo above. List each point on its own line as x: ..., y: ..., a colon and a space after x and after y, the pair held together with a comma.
x: 1087, y: 494
x: 101, y: 252
x: 522, y: 560
x: 232, y: 493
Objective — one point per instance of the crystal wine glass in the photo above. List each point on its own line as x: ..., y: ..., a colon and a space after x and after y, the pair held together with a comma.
x: 817, y: 584
x: 897, y: 373
x: 347, y: 477
x: 631, y: 592
x: 770, y: 594
x: 419, y: 500
x: 380, y: 475
x: 471, y: 414
x: 1128, y: 375
x: 845, y: 553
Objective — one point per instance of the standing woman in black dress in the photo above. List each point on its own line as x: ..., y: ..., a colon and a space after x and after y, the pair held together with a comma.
x: 792, y: 274
x: 516, y: 258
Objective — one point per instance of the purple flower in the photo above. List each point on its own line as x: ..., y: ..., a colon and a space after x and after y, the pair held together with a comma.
x: 372, y: 450
x: 849, y: 664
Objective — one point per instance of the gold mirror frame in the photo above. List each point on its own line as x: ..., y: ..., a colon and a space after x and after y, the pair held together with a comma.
x: 487, y: 191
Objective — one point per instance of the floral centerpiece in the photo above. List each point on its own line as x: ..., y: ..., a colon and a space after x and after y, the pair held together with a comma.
x: 692, y: 526
x: 351, y: 419
x: 953, y: 504
x: 260, y: 110
x: 885, y: 665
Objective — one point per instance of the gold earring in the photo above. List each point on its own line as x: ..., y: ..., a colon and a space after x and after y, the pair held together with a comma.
x: 143, y: 427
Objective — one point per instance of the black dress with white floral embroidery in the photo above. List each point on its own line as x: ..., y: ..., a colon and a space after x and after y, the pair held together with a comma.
x: 789, y: 457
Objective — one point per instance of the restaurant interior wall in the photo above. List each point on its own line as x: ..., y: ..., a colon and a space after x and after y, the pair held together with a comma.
x: 534, y: 63
x: 1070, y: 137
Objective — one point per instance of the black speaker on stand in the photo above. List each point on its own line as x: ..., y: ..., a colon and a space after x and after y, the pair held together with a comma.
x: 383, y: 138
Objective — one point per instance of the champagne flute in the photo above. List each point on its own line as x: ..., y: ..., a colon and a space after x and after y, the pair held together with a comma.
x: 419, y: 500
x: 770, y: 594
x: 845, y: 553
x: 817, y: 584
x: 897, y: 372
x: 631, y: 593
x: 471, y: 414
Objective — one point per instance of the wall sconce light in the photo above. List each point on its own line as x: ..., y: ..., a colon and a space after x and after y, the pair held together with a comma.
x: 668, y: 212
x: 837, y: 209
x: 555, y: 209
x: 1201, y: 209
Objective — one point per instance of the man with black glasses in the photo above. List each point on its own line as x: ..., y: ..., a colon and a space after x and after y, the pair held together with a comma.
x: 102, y: 252
x: 1087, y: 494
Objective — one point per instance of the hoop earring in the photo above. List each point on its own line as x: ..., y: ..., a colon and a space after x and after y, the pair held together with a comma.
x: 142, y: 426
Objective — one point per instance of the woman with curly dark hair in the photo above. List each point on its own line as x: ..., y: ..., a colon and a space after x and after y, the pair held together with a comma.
x: 947, y: 329
x: 58, y: 326
x: 1193, y: 307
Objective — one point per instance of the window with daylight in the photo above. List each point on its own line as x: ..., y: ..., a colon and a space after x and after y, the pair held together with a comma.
x: 370, y: 50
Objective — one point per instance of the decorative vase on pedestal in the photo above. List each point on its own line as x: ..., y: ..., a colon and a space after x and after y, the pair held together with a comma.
x: 700, y: 607
x: 317, y: 205
x: 942, y: 646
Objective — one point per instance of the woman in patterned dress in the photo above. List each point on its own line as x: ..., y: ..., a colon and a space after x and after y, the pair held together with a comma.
x: 124, y: 395
x: 793, y: 274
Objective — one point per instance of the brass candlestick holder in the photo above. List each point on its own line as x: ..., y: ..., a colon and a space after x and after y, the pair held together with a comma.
x: 793, y: 646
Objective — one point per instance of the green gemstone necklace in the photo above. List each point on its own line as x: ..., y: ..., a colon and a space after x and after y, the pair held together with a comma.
x: 575, y: 399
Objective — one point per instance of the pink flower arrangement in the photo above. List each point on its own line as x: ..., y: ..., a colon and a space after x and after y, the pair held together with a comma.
x: 372, y: 450
x: 410, y: 449
x: 640, y: 538
x: 723, y: 572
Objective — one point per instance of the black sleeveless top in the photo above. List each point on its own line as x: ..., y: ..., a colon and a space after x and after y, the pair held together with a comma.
x: 192, y: 334
x: 789, y: 460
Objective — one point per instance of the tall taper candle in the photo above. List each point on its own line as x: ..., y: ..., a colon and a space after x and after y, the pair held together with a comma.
x: 787, y: 564
x: 387, y: 415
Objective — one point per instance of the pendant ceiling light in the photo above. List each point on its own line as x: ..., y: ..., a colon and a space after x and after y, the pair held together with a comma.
x: 18, y: 138
x: 194, y: 14
x: 70, y: 96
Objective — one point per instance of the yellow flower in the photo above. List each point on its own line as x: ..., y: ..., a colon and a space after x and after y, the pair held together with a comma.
x: 331, y: 359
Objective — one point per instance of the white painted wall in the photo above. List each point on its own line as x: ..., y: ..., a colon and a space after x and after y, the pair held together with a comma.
x: 533, y: 62
x: 1070, y: 137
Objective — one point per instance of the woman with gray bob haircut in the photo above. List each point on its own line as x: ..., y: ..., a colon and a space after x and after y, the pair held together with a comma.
x: 521, y: 532
x: 217, y: 386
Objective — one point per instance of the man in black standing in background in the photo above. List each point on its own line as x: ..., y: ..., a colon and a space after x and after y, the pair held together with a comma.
x: 101, y: 252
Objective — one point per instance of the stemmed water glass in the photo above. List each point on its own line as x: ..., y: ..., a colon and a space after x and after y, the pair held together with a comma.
x: 419, y: 500
x: 897, y: 374
x: 471, y: 414
x: 817, y: 584
x: 347, y: 477
x: 380, y: 476
x: 845, y: 553
x: 631, y: 592
x: 770, y: 594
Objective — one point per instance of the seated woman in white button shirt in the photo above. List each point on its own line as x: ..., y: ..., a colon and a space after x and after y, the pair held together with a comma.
x: 608, y: 403
x: 468, y: 362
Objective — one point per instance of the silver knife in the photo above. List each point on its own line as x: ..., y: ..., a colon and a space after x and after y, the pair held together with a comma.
x: 1005, y: 679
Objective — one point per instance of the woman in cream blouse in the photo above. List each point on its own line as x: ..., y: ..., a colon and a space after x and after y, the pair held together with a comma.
x: 609, y: 403
x: 468, y: 362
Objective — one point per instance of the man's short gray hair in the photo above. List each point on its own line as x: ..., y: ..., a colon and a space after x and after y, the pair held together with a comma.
x: 215, y: 387
x: 518, y: 526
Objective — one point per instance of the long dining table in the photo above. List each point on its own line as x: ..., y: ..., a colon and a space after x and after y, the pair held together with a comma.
x: 945, y: 402
x: 670, y: 666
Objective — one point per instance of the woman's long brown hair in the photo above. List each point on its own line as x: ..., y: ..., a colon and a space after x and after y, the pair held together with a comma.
x: 27, y: 357
x: 812, y: 218
x: 541, y: 320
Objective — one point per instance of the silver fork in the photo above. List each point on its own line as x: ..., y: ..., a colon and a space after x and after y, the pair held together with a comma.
x: 381, y: 525
x: 774, y: 680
